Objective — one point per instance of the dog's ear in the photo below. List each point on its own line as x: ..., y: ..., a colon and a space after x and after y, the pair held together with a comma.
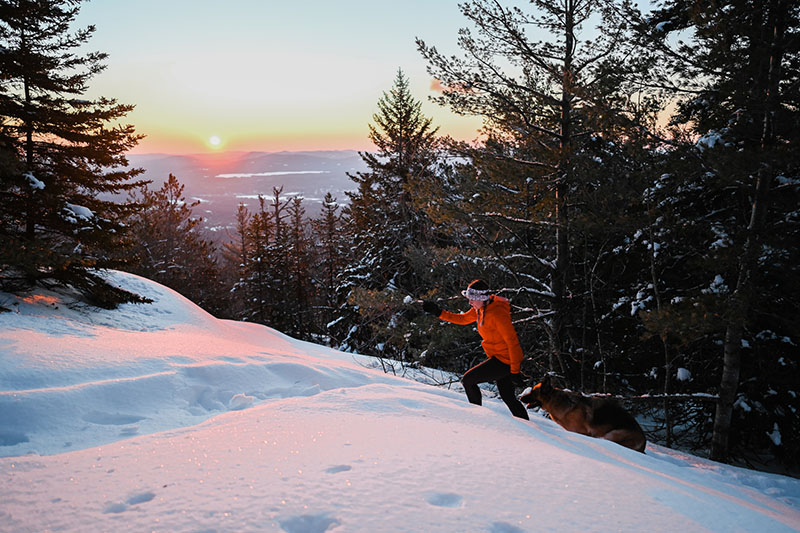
x: 546, y: 383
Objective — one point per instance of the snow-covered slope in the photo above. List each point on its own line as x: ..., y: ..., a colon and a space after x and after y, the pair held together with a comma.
x: 159, y: 417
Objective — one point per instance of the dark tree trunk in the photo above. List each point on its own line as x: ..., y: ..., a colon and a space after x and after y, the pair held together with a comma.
x: 769, y: 98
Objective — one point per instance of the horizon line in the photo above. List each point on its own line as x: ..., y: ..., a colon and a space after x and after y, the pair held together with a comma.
x: 243, y: 152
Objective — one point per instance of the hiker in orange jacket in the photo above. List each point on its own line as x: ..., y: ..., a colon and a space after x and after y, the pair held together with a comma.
x: 500, y: 342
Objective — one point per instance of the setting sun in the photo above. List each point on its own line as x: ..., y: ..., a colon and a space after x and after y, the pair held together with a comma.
x: 214, y: 141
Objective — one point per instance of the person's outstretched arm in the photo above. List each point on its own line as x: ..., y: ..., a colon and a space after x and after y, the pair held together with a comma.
x: 460, y: 318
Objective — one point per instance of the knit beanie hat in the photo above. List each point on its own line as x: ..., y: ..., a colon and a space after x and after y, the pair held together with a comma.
x: 477, y: 290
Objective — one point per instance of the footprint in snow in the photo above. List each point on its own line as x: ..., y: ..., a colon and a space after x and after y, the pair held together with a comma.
x: 444, y: 499
x: 115, y: 508
x: 120, y: 507
x: 504, y: 527
x: 338, y: 468
x: 140, y: 498
x: 308, y: 523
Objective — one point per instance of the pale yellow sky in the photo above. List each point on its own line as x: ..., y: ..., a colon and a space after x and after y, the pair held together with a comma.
x: 266, y: 75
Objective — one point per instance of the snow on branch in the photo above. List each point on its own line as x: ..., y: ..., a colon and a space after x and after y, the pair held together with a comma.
x: 74, y: 212
x: 34, y: 183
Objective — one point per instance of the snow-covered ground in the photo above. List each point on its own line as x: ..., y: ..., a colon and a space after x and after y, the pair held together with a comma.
x: 159, y: 417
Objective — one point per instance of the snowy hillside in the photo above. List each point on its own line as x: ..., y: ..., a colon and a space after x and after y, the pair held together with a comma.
x: 160, y: 417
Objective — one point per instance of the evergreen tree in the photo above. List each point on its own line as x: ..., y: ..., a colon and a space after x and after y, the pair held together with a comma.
x: 277, y: 276
x: 264, y: 292
x: 332, y: 254
x: 65, y: 152
x: 384, y: 221
x: 556, y: 112
x: 404, y: 139
x: 236, y: 256
x: 255, y: 284
x: 299, y: 292
x: 278, y: 260
x: 738, y: 75
x: 169, y: 248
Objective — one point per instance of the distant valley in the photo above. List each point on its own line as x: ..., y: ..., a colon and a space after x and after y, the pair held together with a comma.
x: 222, y: 181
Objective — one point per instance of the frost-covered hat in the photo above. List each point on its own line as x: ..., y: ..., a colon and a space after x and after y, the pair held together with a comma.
x: 477, y: 290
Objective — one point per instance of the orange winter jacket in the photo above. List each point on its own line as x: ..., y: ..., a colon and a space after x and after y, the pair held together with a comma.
x: 495, y: 328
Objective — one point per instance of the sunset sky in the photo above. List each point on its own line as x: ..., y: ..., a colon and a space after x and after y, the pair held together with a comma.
x: 266, y: 75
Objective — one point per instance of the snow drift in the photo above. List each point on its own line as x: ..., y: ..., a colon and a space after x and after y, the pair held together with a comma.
x: 160, y: 417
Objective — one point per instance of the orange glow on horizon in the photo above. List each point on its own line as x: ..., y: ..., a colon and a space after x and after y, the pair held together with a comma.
x: 183, y: 145
x: 233, y: 140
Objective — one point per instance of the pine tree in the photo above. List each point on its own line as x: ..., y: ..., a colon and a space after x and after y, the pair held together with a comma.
x: 384, y: 220
x: 555, y: 113
x: 236, y: 255
x: 331, y: 253
x: 383, y: 206
x: 256, y: 270
x: 277, y: 260
x: 737, y: 75
x: 262, y: 254
x: 299, y: 292
x: 67, y: 151
x: 169, y: 248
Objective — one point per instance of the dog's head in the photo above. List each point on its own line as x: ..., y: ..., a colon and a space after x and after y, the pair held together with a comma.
x: 531, y: 397
x: 537, y: 394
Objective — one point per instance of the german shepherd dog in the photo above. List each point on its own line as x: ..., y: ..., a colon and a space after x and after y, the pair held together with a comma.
x: 596, y: 417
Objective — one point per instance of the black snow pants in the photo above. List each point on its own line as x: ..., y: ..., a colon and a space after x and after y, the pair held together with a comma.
x: 493, y: 370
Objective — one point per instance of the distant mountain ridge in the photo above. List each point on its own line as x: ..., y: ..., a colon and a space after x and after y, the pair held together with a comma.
x: 222, y: 181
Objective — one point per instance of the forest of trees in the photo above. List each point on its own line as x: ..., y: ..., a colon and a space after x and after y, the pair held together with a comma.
x: 633, y: 192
